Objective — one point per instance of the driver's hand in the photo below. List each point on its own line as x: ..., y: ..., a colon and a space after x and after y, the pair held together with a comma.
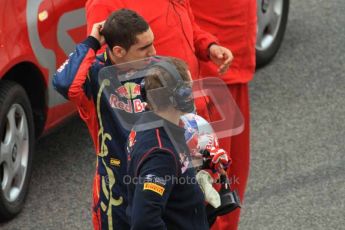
x: 96, y: 32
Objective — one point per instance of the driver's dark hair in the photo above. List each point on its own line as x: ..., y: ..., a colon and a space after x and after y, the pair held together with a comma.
x: 122, y: 27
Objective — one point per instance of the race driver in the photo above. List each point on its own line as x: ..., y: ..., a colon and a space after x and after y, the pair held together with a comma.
x: 128, y: 37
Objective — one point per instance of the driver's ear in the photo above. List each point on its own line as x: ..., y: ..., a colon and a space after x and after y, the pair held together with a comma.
x: 119, y: 52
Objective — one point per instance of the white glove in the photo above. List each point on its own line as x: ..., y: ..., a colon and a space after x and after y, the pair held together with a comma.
x: 205, y: 182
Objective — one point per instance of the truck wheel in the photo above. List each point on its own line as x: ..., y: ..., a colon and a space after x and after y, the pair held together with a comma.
x: 16, y: 148
x: 272, y: 17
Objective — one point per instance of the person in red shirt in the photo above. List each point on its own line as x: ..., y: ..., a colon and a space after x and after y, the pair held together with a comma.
x: 234, y: 24
x: 176, y: 34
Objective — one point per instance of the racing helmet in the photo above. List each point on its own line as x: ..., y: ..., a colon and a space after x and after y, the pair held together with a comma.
x: 199, y: 134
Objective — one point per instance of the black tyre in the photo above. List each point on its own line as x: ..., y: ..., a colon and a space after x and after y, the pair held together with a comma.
x: 16, y: 148
x: 271, y: 24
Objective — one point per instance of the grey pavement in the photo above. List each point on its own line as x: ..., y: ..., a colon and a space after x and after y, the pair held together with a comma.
x: 297, y: 178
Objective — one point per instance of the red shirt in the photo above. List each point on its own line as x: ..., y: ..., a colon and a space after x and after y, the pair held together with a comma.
x: 172, y: 22
x: 233, y: 22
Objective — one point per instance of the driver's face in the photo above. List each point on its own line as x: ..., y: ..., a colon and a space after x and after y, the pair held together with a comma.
x: 142, y: 48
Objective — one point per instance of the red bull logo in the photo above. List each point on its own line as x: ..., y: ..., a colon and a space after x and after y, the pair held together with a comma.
x: 118, y: 104
x: 129, y: 90
x: 122, y: 91
x: 136, y: 90
x: 138, y: 106
x: 131, y: 139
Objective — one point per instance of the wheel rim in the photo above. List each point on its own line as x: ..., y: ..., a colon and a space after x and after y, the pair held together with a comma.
x: 14, y: 152
x: 269, y: 14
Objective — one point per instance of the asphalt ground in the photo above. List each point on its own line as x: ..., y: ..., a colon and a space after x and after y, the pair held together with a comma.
x: 297, y: 177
